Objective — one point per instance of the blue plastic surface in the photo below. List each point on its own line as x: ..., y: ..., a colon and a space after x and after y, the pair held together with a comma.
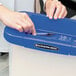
x: 61, y: 41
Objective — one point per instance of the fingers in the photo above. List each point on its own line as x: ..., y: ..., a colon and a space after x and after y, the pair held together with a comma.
x: 63, y: 12
x: 55, y: 10
x: 31, y: 27
x: 33, y: 31
x: 17, y: 27
x: 50, y: 10
x: 26, y: 24
x: 58, y: 10
x: 51, y: 13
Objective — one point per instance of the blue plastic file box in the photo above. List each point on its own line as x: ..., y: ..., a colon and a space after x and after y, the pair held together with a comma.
x: 53, y: 36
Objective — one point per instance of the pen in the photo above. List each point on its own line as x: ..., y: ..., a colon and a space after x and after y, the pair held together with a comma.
x: 45, y: 34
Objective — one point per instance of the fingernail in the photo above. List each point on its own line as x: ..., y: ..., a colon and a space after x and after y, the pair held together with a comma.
x: 59, y: 17
x: 50, y: 17
x: 34, y: 34
x: 20, y: 29
x: 55, y: 17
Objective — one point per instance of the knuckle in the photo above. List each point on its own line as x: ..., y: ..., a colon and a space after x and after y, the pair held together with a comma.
x: 30, y: 25
x: 59, y: 2
x: 25, y: 14
x: 25, y: 27
x: 22, y: 15
x: 19, y: 16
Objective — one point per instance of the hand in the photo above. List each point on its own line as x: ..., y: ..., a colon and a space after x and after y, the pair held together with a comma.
x: 18, y: 21
x: 55, y: 9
